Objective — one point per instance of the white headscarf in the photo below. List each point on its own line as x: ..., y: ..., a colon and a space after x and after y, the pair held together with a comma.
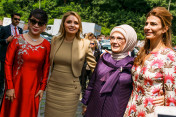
x: 131, y: 39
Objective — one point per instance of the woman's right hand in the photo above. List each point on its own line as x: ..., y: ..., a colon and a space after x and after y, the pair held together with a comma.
x: 10, y: 94
x: 159, y: 101
x: 84, y: 108
x: 106, y: 51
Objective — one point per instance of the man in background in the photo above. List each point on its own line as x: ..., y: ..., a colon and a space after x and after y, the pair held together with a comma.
x: 6, y: 35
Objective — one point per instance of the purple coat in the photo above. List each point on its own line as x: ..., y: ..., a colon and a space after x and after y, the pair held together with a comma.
x: 110, y: 87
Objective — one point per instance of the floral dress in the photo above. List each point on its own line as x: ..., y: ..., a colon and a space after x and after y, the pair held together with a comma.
x: 158, y: 73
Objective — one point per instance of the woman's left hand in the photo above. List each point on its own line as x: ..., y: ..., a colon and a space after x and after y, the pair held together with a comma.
x: 40, y: 94
x: 159, y: 101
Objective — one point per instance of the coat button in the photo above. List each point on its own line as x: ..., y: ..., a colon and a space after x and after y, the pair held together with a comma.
x: 75, y: 87
x: 74, y: 81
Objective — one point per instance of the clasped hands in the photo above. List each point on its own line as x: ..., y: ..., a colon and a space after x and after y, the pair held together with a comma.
x: 10, y: 94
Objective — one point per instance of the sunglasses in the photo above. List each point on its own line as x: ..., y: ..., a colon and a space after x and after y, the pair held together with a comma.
x: 16, y: 19
x: 33, y: 21
x: 92, y: 43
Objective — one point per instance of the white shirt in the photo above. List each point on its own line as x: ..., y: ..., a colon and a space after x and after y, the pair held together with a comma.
x: 13, y: 30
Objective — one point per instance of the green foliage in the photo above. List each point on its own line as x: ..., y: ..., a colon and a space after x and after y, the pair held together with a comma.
x: 107, y: 13
x: 105, y: 31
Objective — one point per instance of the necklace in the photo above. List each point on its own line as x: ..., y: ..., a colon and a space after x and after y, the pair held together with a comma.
x: 35, y: 40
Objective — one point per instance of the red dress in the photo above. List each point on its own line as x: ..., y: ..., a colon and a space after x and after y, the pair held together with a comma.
x: 26, y: 69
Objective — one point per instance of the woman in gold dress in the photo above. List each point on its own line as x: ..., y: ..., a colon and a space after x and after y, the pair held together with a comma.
x: 68, y: 53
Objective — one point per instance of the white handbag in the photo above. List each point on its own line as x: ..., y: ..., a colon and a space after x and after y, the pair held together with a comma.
x: 165, y: 111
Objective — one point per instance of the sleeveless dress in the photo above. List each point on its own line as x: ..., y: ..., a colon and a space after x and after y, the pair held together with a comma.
x: 63, y: 88
x: 26, y: 68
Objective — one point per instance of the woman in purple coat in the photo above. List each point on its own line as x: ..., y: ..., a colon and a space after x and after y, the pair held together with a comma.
x: 109, y: 90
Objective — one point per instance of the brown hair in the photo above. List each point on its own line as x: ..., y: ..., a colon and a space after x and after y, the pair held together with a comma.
x: 166, y: 18
x: 62, y: 28
x: 89, y: 35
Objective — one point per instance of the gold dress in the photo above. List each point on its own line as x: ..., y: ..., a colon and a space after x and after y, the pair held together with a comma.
x: 63, y: 88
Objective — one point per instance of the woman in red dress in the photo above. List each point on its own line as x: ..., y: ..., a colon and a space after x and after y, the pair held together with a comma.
x: 26, y: 69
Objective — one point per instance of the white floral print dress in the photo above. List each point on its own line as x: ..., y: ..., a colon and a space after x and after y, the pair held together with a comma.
x: 158, y: 73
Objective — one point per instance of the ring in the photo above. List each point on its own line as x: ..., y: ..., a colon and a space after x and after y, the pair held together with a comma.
x: 6, y: 97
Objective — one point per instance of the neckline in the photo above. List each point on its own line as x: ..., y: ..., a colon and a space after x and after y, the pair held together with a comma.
x: 30, y: 43
x: 157, y: 51
x: 68, y: 41
x: 153, y: 54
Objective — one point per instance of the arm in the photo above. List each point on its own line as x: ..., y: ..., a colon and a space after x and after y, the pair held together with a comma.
x: 90, y: 87
x: 2, y: 40
x: 169, y: 73
x: 90, y: 59
x: 10, y: 55
x: 46, y: 68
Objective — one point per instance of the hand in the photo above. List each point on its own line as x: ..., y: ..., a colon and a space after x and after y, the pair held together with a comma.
x: 105, y: 52
x: 159, y: 101
x: 9, y: 39
x: 10, y: 94
x: 84, y: 108
x: 40, y: 94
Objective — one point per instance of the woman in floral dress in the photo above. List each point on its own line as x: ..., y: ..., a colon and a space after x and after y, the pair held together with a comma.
x: 155, y: 66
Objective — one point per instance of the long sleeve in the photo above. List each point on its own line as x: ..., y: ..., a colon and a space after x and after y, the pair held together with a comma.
x: 2, y: 40
x: 10, y: 55
x: 89, y: 89
x: 46, y: 68
x: 169, y: 73
x: 90, y: 59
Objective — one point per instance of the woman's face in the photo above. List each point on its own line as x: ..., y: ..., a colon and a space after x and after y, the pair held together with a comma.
x: 117, y: 41
x: 90, y: 37
x: 153, y: 28
x: 92, y: 44
x: 71, y: 25
x: 35, y: 26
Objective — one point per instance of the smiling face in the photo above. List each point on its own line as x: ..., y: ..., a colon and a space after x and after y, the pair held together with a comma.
x: 71, y: 25
x: 117, y: 41
x: 153, y: 28
x: 35, y: 26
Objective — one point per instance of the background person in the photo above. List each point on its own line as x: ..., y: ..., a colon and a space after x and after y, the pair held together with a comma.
x: 86, y: 73
x: 26, y: 68
x: 6, y: 35
x: 89, y: 36
x: 68, y: 53
x: 155, y: 66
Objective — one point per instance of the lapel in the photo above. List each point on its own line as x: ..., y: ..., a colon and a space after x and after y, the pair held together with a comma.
x: 78, y: 54
x: 56, y: 45
x: 20, y: 30
x: 75, y: 52
x: 9, y: 30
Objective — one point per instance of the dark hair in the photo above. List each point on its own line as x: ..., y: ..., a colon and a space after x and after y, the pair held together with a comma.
x: 12, y: 15
x: 40, y: 15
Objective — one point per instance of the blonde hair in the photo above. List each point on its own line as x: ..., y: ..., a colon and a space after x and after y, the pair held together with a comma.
x: 62, y: 28
x: 96, y: 44
x: 166, y: 19
x: 89, y: 35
